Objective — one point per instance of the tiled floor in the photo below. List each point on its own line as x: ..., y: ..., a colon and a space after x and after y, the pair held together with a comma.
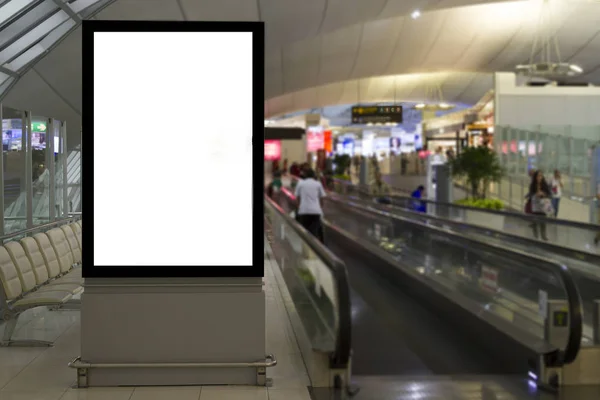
x: 42, y: 373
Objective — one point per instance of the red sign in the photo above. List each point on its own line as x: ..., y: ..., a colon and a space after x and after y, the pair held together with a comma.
x: 328, y: 141
x: 315, y: 139
x: 272, y: 150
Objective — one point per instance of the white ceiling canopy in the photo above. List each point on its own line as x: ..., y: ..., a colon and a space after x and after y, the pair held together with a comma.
x: 29, y: 29
x: 319, y: 52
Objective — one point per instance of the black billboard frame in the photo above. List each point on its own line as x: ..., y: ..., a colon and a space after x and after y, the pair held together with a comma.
x: 90, y: 270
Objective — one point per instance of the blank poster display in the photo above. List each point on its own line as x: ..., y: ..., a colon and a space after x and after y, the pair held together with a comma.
x: 173, y: 117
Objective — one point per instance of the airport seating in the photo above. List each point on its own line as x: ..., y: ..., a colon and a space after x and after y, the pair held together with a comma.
x: 39, y: 271
x: 77, y: 231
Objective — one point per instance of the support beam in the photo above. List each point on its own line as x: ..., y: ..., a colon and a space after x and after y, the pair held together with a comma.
x: 9, y: 72
x: 66, y: 8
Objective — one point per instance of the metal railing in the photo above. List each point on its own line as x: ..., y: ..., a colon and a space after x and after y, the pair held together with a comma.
x: 542, y: 264
x: 343, y: 330
x: 36, y: 229
x: 536, y: 263
x: 574, y: 239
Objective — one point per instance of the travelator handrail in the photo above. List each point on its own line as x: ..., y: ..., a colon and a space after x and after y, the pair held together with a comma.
x: 343, y: 341
x: 512, y: 214
x: 575, y: 305
x: 558, y: 249
x: 570, y: 252
x: 573, y: 297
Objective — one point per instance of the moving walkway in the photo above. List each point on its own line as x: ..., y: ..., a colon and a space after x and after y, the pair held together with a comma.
x: 429, y: 302
x: 499, y: 228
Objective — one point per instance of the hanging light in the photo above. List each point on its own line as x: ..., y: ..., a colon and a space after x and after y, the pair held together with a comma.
x: 546, y: 44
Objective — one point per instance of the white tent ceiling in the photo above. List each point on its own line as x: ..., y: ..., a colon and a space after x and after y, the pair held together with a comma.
x: 322, y: 52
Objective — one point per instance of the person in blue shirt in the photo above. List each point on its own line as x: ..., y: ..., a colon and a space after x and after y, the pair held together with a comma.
x: 418, y: 205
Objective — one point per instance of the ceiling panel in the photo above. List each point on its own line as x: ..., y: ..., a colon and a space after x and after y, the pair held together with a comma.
x: 379, y: 39
x: 33, y: 94
x: 581, y: 29
x: 341, y: 13
x: 457, y: 33
x: 415, y: 42
x: 301, y: 64
x: 331, y: 93
x: 290, y: 20
x: 455, y: 84
x: 305, y: 99
x: 221, y: 10
x: 480, y: 84
x: 65, y: 77
x: 491, y: 36
x: 353, y: 92
x: 273, y: 74
x: 519, y: 49
x: 393, y: 8
x: 338, y: 54
x: 589, y: 58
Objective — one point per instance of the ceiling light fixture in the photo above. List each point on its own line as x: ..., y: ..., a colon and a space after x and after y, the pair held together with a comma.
x: 415, y: 14
x: 549, y: 70
x: 545, y: 48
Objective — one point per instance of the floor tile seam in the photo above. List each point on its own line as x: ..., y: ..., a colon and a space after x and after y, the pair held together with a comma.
x: 23, y: 369
x: 34, y: 360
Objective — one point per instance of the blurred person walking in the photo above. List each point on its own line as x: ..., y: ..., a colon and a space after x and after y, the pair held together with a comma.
x: 540, y: 197
x: 556, y: 186
x: 309, y: 194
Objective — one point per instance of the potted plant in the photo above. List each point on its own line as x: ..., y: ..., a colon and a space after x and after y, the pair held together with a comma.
x: 479, y: 166
x: 342, y: 163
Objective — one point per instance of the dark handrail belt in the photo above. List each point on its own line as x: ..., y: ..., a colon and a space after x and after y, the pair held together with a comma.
x: 343, y: 341
x: 573, y: 296
x: 559, y: 249
x: 526, y: 217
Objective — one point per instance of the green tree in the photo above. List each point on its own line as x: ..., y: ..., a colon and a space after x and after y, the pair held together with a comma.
x: 342, y: 164
x: 480, y: 166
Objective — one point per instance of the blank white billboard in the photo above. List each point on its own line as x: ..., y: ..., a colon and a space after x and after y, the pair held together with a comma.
x: 172, y: 149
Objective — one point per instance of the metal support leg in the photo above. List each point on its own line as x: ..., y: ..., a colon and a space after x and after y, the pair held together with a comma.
x: 82, y: 378
x: 261, y: 376
x: 9, y: 329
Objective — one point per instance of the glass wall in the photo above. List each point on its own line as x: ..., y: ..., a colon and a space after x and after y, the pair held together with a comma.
x: 60, y: 210
x: 40, y: 182
x: 14, y: 135
x: 40, y: 172
x: 566, y: 149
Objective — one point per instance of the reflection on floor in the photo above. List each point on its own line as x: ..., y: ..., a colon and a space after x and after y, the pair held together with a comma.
x: 455, y: 388
x: 42, y: 373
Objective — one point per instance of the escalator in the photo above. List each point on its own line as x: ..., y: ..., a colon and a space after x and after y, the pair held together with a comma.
x: 420, y: 308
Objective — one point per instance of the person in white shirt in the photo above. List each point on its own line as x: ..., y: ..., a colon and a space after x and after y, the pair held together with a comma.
x: 556, y: 187
x: 310, y: 193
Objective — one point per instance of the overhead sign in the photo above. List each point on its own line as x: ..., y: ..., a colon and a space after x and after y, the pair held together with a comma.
x: 38, y: 127
x: 376, y: 114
